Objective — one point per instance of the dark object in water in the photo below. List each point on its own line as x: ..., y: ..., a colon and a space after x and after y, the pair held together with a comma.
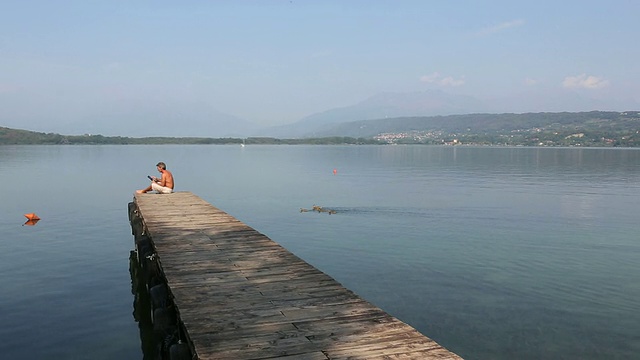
x: 319, y: 209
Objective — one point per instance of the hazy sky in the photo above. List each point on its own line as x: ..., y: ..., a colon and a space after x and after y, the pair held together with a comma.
x: 274, y: 62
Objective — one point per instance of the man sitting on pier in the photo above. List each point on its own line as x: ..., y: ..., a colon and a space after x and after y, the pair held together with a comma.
x: 164, y: 185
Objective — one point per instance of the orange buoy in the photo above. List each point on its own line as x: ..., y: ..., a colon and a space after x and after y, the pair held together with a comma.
x: 335, y: 171
x: 32, y: 216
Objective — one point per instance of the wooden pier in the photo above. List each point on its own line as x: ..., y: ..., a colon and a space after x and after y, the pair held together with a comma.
x: 240, y: 295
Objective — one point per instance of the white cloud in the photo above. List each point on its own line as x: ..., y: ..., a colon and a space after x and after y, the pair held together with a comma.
x: 530, y: 81
x: 501, y: 27
x: 430, y: 78
x: 438, y: 79
x: 585, y: 82
x: 450, y: 81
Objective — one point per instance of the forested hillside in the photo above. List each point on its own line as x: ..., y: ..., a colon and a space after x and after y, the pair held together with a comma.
x: 23, y: 137
x: 595, y: 128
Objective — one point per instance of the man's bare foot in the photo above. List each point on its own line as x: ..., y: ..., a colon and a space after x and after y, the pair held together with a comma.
x: 140, y: 191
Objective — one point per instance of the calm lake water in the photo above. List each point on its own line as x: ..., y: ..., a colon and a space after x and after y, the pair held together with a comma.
x: 496, y: 253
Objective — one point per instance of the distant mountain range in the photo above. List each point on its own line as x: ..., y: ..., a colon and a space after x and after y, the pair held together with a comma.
x: 143, y: 118
x: 601, y: 122
x: 594, y: 128
x: 381, y: 106
x: 342, y: 121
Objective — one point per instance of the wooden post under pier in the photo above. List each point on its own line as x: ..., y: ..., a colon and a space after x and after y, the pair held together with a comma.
x: 240, y: 295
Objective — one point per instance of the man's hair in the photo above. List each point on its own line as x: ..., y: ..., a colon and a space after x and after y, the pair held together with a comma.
x: 162, y: 165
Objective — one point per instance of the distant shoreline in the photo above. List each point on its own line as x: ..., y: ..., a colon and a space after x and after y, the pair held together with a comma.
x: 583, y: 129
x: 24, y: 137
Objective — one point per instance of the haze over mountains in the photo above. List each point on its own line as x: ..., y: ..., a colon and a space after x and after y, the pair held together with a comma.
x: 155, y: 118
x: 197, y: 119
x: 438, y: 103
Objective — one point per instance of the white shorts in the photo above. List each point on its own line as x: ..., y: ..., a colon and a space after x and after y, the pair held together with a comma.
x: 161, y: 189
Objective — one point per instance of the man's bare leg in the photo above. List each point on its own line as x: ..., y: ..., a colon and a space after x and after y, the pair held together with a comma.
x: 144, y: 190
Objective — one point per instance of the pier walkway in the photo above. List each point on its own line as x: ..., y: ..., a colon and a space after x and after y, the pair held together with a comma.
x: 240, y: 295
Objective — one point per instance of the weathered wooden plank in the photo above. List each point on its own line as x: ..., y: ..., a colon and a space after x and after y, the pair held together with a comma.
x: 240, y: 295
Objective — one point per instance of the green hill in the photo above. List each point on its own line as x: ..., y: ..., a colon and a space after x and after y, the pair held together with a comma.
x: 24, y: 137
x: 17, y: 137
x: 595, y: 128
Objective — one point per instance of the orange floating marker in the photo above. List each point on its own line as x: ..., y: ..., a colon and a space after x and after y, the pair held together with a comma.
x: 32, y: 216
x: 335, y: 171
